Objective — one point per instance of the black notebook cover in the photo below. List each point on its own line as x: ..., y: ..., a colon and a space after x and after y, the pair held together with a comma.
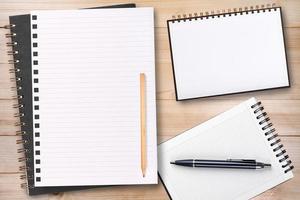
x: 20, y: 25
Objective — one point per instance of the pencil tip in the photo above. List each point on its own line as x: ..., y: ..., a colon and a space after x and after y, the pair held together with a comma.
x: 143, y: 175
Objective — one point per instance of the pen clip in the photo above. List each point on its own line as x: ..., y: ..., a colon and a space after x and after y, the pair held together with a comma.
x: 242, y: 160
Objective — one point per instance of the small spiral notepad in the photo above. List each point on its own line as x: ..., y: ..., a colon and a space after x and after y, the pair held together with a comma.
x: 243, y: 132
x: 227, y: 52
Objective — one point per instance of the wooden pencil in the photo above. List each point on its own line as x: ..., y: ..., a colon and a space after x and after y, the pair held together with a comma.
x: 143, y: 122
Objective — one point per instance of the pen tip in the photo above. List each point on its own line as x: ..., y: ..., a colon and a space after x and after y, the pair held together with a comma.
x: 172, y: 162
x: 267, y: 165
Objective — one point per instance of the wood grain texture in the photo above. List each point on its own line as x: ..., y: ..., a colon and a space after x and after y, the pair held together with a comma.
x: 282, y: 105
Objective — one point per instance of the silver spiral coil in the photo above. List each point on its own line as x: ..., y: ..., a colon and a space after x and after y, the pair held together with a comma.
x: 224, y: 12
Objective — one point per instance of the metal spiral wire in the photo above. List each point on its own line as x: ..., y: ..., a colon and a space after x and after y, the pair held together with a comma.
x: 15, y: 70
x: 272, y: 137
x: 8, y: 26
x: 224, y: 13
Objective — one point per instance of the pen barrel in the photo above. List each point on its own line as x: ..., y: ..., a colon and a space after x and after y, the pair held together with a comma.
x: 219, y: 164
x: 225, y: 166
x: 233, y: 164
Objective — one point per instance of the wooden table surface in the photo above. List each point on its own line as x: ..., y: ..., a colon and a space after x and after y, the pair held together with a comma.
x: 283, y: 105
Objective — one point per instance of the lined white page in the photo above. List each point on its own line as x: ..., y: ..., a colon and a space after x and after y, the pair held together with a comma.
x: 234, y: 134
x: 228, y: 54
x: 89, y: 62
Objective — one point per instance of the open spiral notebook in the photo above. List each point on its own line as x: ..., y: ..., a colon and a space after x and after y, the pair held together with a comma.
x: 243, y: 132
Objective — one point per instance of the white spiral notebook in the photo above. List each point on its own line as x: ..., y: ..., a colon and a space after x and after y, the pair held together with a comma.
x: 243, y: 132
x: 225, y: 53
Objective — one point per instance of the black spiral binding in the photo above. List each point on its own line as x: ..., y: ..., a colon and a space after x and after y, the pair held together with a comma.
x: 272, y: 137
x: 15, y: 70
x: 223, y: 13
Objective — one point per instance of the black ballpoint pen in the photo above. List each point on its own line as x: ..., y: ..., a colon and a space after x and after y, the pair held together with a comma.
x: 229, y: 163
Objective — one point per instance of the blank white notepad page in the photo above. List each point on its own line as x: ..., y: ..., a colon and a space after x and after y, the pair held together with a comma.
x: 234, y: 134
x: 86, y: 109
x: 228, y: 54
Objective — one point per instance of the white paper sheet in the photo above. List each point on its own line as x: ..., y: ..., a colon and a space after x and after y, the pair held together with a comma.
x: 228, y: 54
x: 89, y: 62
